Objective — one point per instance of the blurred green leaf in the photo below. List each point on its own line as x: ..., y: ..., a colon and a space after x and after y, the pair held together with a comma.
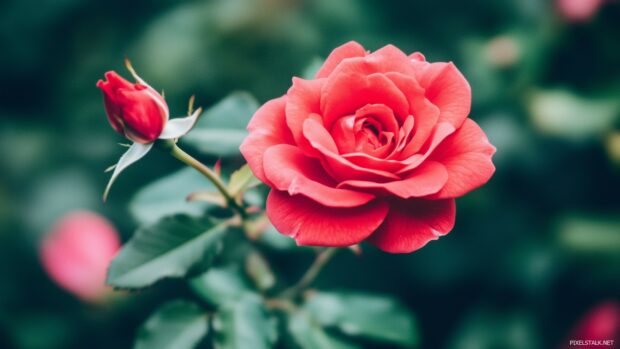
x: 309, y: 334
x: 221, y: 129
x: 175, y: 246
x: 175, y: 325
x: 219, y: 285
x: 484, y: 329
x: 565, y: 114
x: 590, y: 234
x: 244, y: 323
x: 258, y: 269
x: 167, y: 196
x: 241, y: 180
x: 375, y: 317
x: 272, y: 239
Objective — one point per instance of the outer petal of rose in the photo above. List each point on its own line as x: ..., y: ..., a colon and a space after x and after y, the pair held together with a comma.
x: 290, y: 170
x: 303, y: 100
x: 411, y: 224
x: 267, y: 128
x: 427, y: 179
x: 446, y: 88
x: 417, y: 56
x: 387, y: 59
x: 338, y: 167
x: 348, y: 50
x: 466, y: 154
x: 311, y: 223
x: 343, y: 94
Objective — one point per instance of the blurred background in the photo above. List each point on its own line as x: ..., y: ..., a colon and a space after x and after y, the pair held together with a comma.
x: 532, y: 252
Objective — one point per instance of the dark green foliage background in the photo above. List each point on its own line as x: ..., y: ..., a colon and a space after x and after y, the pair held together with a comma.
x: 531, y: 251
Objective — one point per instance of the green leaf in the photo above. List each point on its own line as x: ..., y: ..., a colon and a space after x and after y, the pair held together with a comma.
x: 244, y: 323
x: 241, y: 180
x: 590, y: 234
x: 222, y: 128
x: 175, y: 325
x: 175, y: 246
x: 309, y: 334
x: 167, y: 196
x: 371, y: 316
x: 565, y: 114
x: 221, y: 284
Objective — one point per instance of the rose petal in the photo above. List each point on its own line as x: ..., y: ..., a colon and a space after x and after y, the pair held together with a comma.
x: 441, y: 131
x: 425, y: 114
x: 142, y: 115
x: 348, y: 50
x: 337, y: 166
x: 411, y: 224
x: 427, y: 179
x: 289, y: 170
x: 386, y: 59
x: 466, y: 154
x: 368, y: 161
x: 343, y: 94
x: 446, y: 88
x: 267, y: 128
x: 311, y: 223
x: 303, y: 99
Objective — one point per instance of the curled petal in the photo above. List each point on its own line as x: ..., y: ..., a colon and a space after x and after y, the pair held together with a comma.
x: 412, y: 223
x: 343, y: 94
x: 427, y: 179
x: 303, y: 102
x: 446, y: 88
x: 386, y: 59
x: 267, y: 128
x: 289, y: 170
x: 311, y: 223
x: 348, y: 50
x: 466, y: 154
x: 339, y: 167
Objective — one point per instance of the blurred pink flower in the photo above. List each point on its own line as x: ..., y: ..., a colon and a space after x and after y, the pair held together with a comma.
x: 601, y: 323
x: 578, y: 10
x: 77, y: 251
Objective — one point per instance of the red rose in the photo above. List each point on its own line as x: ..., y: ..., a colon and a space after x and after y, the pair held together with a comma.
x: 375, y: 148
x: 136, y: 111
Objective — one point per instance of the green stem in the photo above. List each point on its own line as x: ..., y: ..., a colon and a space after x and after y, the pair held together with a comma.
x: 189, y: 160
x: 308, y: 278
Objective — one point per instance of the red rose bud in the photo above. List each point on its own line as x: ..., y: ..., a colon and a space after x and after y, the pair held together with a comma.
x: 136, y: 111
x: 77, y: 251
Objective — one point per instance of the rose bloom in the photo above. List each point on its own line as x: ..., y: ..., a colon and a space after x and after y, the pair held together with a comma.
x: 77, y: 251
x: 375, y: 147
x: 136, y: 111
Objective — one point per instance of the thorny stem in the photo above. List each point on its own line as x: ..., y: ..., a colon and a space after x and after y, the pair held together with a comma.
x: 189, y: 160
x: 306, y: 280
